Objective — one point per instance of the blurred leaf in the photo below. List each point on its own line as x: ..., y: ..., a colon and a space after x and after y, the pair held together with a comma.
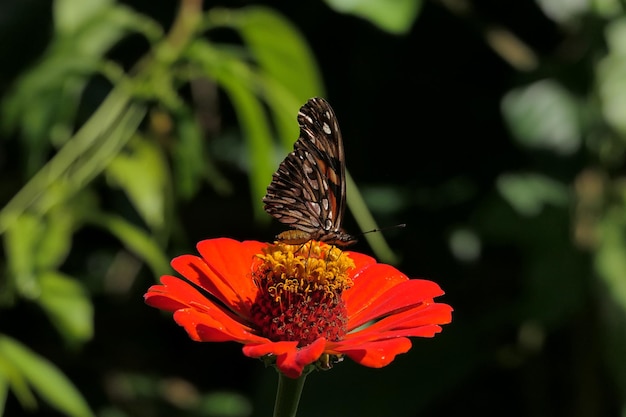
x: 72, y: 14
x: 529, y: 193
x: 80, y: 160
x: 44, y: 101
x: 45, y: 378
x: 288, y: 74
x: 226, y: 404
x: 563, y: 11
x: 394, y: 16
x: 611, y: 76
x: 465, y: 245
x: 21, y: 244
x: 256, y: 129
x: 142, y: 172
x: 12, y: 378
x: 240, y: 83
x: 188, y: 155
x: 55, y: 243
x: 191, y: 161
x: 615, y: 33
x: 68, y: 306
x: 280, y: 50
x: 283, y: 56
x: 543, y: 115
x: 4, y: 391
x: 614, y: 336
x: 607, y: 8
x: 610, y: 261
x: 385, y: 199
x: 135, y: 239
x: 43, y: 106
x: 610, y: 265
x: 89, y: 31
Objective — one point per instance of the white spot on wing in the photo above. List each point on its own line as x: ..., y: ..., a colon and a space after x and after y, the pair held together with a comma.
x: 326, y: 128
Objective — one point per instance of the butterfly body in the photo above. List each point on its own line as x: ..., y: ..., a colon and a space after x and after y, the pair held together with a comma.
x: 299, y: 237
x: 308, y: 191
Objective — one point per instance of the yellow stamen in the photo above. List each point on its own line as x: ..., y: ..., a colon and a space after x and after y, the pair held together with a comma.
x: 303, y: 269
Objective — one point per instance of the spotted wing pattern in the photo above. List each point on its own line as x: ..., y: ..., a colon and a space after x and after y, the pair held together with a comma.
x: 308, y: 191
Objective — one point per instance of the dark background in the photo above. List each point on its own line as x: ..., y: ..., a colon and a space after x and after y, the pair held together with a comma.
x: 421, y: 118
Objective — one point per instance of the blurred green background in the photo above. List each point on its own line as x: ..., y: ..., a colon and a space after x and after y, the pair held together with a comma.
x: 495, y: 130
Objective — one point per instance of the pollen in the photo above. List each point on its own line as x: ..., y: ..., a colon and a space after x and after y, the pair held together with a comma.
x: 300, y: 289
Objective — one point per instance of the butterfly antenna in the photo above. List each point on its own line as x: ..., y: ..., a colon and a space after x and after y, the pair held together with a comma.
x: 382, y: 229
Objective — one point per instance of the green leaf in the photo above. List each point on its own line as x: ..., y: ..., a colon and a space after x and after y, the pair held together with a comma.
x: 256, y: 130
x: 135, y: 239
x: 286, y: 62
x: 142, y: 172
x: 564, y: 11
x: 241, y: 84
x: 611, y: 76
x: 394, y: 16
x: 528, y: 193
x: 20, y: 243
x: 68, y: 306
x: 37, y: 243
x: 69, y: 15
x: 610, y: 265
x: 280, y: 50
x: 610, y: 261
x: 288, y: 74
x: 12, y: 378
x: 225, y: 403
x: 44, y: 101
x: 607, y: 9
x: 4, y: 392
x: 188, y: 155
x: 92, y: 31
x: 55, y: 243
x: 90, y: 150
x: 191, y: 160
x: 44, y: 105
x: 46, y: 379
x: 543, y: 115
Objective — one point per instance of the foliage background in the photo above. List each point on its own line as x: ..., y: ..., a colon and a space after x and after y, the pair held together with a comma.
x: 495, y: 130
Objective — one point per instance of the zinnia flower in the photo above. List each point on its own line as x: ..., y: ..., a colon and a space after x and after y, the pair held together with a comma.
x: 299, y: 306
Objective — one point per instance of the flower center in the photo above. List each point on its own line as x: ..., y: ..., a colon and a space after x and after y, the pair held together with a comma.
x: 300, y: 290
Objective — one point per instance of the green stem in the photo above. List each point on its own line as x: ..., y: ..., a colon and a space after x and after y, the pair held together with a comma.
x: 288, y: 395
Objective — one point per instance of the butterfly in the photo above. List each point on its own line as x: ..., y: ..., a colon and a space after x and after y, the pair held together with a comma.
x: 308, y: 191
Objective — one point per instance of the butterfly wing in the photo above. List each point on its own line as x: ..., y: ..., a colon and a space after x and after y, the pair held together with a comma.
x: 308, y: 190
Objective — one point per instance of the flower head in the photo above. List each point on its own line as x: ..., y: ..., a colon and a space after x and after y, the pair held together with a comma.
x: 299, y: 306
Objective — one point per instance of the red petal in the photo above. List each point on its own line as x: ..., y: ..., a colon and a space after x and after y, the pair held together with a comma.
x: 420, y: 321
x: 269, y: 348
x: 370, y: 283
x: 290, y: 359
x: 423, y: 315
x: 223, y: 271
x: 403, y: 295
x: 173, y: 294
x: 428, y: 330
x: 374, y: 354
x: 214, y: 326
x: 361, y: 261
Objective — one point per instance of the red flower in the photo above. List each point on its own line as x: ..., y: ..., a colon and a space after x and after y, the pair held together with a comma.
x: 299, y: 305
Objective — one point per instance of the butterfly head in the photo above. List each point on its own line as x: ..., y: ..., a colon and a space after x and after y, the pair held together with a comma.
x: 339, y: 238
